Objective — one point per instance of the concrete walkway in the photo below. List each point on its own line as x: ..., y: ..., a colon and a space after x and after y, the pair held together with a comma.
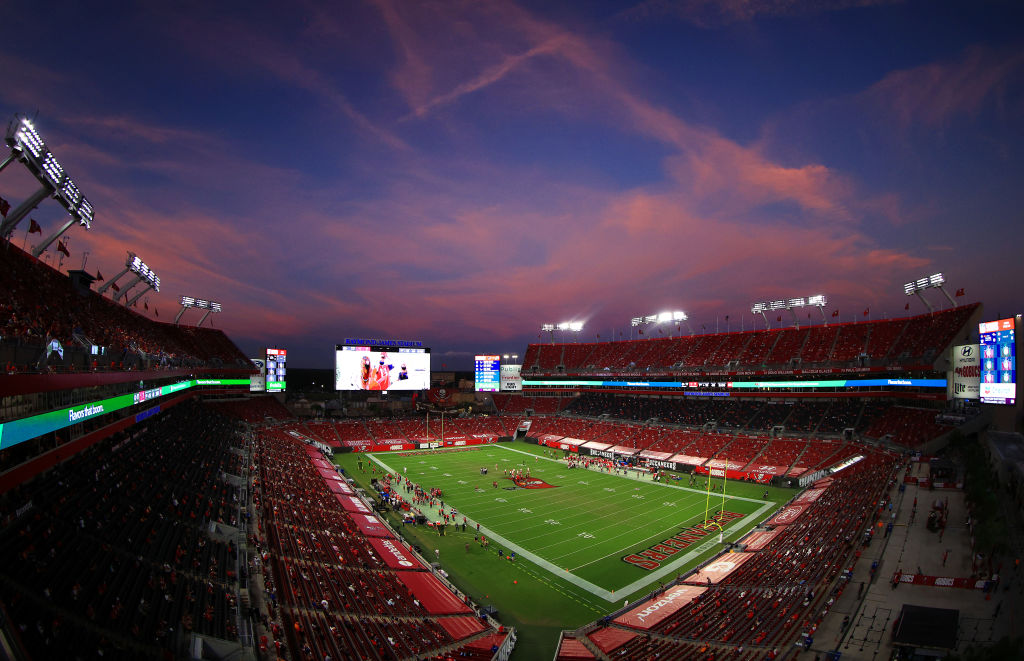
x: 912, y: 548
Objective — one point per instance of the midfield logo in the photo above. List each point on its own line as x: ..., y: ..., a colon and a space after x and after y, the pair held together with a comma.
x: 531, y: 483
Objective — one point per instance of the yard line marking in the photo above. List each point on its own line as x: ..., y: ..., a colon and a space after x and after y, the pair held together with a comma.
x: 596, y: 590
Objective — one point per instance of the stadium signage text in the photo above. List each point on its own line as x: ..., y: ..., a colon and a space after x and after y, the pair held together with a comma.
x: 395, y: 551
x: 652, y: 558
x: 88, y: 411
x: 667, y: 600
x: 377, y: 342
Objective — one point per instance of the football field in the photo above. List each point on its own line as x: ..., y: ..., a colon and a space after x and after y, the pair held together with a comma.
x: 608, y: 534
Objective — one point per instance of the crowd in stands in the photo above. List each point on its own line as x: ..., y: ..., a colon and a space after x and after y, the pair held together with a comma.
x: 367, y: 431
x: 108, y: 555
x: 332, y: 595
x: 908, y: 426
x: 912, y: 341
x: 252, y: 410
x: 774, y: 596
x: 39, y: 304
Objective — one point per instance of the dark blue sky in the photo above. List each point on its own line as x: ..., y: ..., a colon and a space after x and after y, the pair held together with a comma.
x: 462, y: 172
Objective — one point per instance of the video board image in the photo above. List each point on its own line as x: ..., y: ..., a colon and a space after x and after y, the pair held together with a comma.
x: 488, y: 369
x: 998, y: 361
x: 276, y: 362
x: 381, y: 368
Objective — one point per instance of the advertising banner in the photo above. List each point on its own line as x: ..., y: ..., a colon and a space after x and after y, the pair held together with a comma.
x: 511, y: 378
x: 650, y: 613
x: 965, y: 372
x: 394, y: 554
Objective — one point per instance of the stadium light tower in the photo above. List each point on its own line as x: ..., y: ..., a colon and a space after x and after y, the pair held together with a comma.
x: 660, y: 318
x: 200, y: 304
x: 142, y: 274
x: 28, y: 147
x: 572, y: 327
x: 111, y: 283
x: 818, y: 300
x: 549, y: 328
x: 934, y: 281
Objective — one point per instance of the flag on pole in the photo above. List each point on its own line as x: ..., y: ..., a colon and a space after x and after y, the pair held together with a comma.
x: 5, y: 206
x: 960, y: 292
x: 907, y: 306
x: 63, y: 248
x: 145, y: 304
x: 33, y: 227
x: 99, y: 276
x: 835, y: 313
x: 114, y: 286
x: 157, y: 313
x: 866, y: 311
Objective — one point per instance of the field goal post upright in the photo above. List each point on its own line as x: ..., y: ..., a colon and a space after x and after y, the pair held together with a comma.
x: 711, y: 522
x: 725, y: 477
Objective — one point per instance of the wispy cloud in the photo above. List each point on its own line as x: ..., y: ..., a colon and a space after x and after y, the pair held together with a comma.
x: 936, y: 94
x: 717, y: 13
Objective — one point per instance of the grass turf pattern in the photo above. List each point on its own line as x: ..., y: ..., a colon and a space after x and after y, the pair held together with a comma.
x: 581, y: 529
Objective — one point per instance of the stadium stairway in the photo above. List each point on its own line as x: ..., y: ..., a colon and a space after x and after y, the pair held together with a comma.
x: 441, y: 651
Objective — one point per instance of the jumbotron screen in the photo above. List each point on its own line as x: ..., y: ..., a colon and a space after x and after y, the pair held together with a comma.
x: 487, y: 373
x: 998, y: 361
x: 276, y: 368
x: 381, y: 368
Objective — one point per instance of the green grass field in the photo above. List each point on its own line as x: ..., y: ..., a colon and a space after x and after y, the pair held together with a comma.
x: 569, y: 540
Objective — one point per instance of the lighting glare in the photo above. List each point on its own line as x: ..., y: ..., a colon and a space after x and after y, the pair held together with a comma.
x: 934, y: 280
x: 818, y: 300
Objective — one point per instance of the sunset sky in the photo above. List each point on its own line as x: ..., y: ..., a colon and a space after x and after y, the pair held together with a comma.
x: 462, y: 172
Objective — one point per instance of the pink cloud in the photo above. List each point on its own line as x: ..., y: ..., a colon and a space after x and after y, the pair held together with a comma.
x: 935, y: 94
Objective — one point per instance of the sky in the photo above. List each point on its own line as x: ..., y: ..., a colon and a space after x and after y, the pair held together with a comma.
x: 460, y: 173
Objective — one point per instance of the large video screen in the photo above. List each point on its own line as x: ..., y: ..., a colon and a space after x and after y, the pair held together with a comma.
x: 998, y: 361
x: 381, y: 368
x: 276, y: 368
x: 487, y: 375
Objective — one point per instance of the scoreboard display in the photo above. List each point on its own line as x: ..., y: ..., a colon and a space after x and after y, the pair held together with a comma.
x: 998, y: 361
x: 488, y: 374
x: 381, y: 367
x: 276, y: 369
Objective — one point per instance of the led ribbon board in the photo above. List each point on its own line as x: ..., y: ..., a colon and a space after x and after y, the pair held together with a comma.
x: 17, y: 431
x: 756, y: 385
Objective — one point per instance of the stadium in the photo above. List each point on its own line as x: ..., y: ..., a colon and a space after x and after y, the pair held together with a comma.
x: 511, y: 331
x: 713, y: 495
